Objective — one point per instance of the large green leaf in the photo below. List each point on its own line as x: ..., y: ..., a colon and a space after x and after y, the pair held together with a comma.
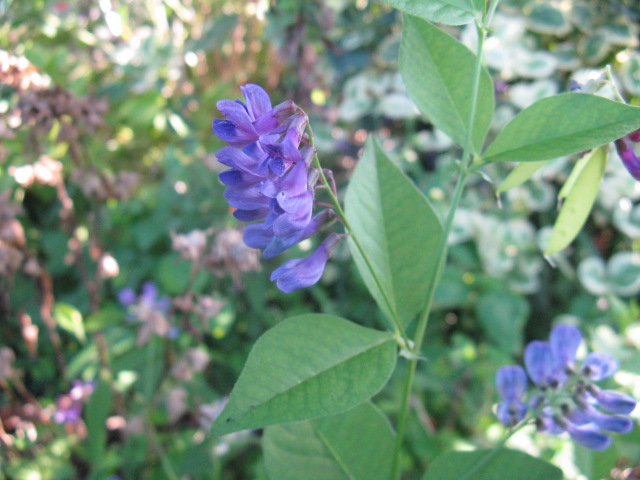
x: 491, y: 465
x: 398, y: 230
x: 356, y: 445
x: 562, y: 125
x: 449, y: 12
x: 438, y: 71
x: 579, y: 199
x: 503, y: 316
x: 306, y: 367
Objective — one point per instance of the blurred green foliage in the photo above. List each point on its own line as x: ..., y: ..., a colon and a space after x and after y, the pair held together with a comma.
x: 108, y: 105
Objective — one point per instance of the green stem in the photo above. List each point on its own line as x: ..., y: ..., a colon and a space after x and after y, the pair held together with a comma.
x: 399, y: 328
x: 441, y: 254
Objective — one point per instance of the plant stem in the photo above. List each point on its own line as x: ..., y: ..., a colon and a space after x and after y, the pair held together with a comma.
x: 423, y: 319
x: 399, y: 328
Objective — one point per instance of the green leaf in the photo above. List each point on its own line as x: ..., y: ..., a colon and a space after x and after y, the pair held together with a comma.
x: 491, y: 465
x: 449, y: 12
x: 562, y: 125
x: 503, y: 316
x: 97, y: 410
x: 70, y: 319
x: 437, y: 71
x: 356, y: 445
x: 306, y: 367
x: 398, y: 230
x: 579, y: 201
x: 520, y: 174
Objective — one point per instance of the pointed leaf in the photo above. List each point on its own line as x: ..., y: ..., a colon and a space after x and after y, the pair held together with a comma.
x: 306, y: 367
x: 520, y: 174
x: 491, y: 465
x: 449, y: 12
x: 398, y: 230
x: 579, y: 200
x: 437, y: 71
x: 356, y: 445
x: 562, y: 125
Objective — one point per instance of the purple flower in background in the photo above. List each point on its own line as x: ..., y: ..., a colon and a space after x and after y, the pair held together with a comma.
x: 271, y: 181
x: 69, y: 406
x: 151, y: 310
x: 566, y: 398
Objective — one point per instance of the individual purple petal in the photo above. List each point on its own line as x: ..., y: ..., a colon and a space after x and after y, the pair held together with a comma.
x: 238, y: 114
x: 611, y: 423
x: 616, y: 402
x: 228, y: 132
x: 280, y: 244
x: 539, y: 363
x: 246, y: 198
x: 598, y: 366
x: 628, y: 157
x: 257, y: 236
x: 305, y: 272
x: 289, y: 223
x: 511, y: 382
x: 258, y: 102
x: 127, y: 297
x: 235, y: 177
x: 251, y: 215
x: 564, y: 341
x: 588, y: 436
x: 239, y: 160
x: 510, y: 413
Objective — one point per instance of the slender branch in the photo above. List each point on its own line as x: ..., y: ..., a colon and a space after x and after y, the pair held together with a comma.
x: 442, y: 251
x: 400, y: 330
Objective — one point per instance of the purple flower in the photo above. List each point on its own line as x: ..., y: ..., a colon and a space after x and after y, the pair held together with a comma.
x: 566, y: 399
x: 270, y: 179
x: 304, y: 272
x: 69, y: 406
x: 628, y: 156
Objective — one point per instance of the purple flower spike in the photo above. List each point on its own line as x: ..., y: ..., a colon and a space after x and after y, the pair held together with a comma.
x: 588, y: 436
x: 616, y: 402
x: 628, y: 157
x: 598, y: 366
x: 539, y: 362
x: 304, y: 272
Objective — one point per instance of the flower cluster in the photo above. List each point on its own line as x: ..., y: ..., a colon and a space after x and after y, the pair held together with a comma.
x: 626, y: 152
x: 271, y: 181
x: 69, y: 406
x: 151, y: 310
x: 566, y: 398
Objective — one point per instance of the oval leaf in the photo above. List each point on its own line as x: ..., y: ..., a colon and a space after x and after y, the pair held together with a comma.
x: 356, y: 445
x: 520, y: 174
x: 579, y: 200
x: 438, y: 71
x: 398, y: 230
x: 502, y: 464
x: 449, y: 12
x: 306, y: 367
x: 562, y: 125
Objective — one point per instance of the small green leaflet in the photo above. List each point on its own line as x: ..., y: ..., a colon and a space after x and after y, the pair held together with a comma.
x: 520, y: 174
x: 579, y: 198
x: 562, y: 125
